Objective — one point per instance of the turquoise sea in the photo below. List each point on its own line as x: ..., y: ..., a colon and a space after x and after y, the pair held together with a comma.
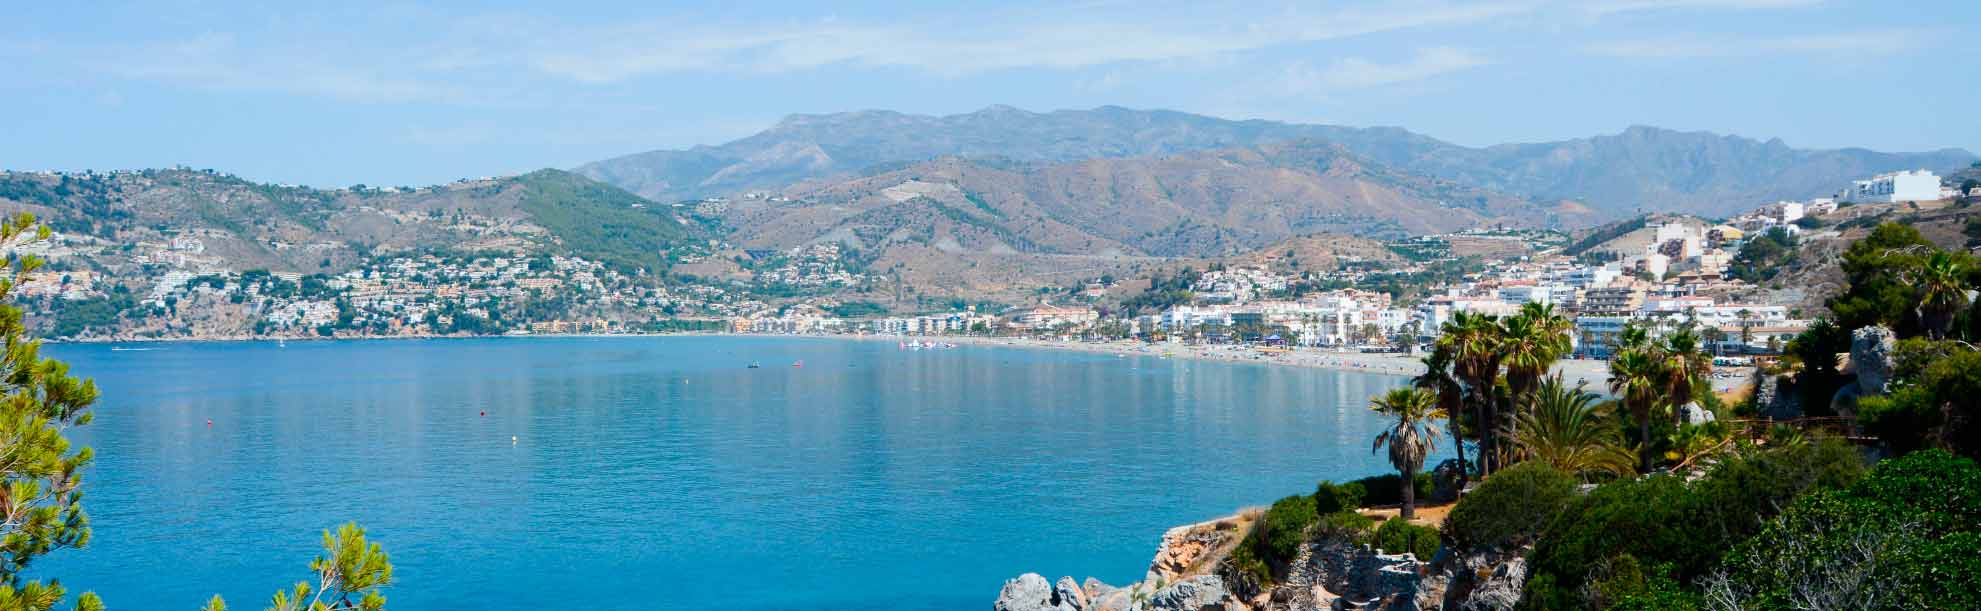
x: 663, y: 473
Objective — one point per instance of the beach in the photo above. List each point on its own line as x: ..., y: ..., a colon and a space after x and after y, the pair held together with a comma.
x: 1593, y: 372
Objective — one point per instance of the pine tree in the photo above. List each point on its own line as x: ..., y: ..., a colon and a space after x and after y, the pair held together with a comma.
x: 41, y: 484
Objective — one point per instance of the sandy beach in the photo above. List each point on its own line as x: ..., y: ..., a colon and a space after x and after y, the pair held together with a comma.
x: 1594, y: 372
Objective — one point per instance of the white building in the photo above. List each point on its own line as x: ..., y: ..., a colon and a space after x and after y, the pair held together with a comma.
x: 1906, y: 186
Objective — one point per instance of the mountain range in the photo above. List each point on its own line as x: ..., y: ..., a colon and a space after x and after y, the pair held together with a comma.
x: 1642, y: 169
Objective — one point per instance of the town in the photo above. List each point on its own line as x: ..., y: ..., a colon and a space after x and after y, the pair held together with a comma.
x: 1659, y: 274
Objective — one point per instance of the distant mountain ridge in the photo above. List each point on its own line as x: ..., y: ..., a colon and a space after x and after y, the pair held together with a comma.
x: 1642, y: 168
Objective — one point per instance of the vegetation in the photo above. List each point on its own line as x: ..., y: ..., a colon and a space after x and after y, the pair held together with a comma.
x: 1763, y: 255
x: 43, y: 478
x: 348, y: 577
x: 1679, y: 528
x: 1901, y: 538
x: 44, y: 475
x: 1276, y: 538
x: 1510, y: 508
x: 1398, y: 536
x: 600, y: 222
x: 1410, y: 439
x: 1565, y: 429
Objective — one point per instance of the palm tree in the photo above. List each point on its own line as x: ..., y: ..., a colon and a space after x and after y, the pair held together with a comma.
x: 1411, y: 439
x: 1473, y: 340
x: 1529, y: 344
x: 1943, y: 292
x: 1685, y: 367
x: 1437, y: 379
x: 1746, y: 328
x: 1635, y: 376
x: 1568, y: 429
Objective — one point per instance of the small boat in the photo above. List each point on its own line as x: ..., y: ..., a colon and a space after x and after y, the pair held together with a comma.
x: 798, y: 364
x: 756, y: 365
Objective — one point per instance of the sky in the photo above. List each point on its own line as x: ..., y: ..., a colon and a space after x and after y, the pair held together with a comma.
x: 422, y: 93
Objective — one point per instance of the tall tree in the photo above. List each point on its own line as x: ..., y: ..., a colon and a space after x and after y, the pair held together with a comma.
x: 42, y: 481
x: 1412, y: 438
x: 1685, y: 366
x: 1942, y: 284
x: 1474, y: 342
x: 1438, y: 379
x: 1635, y: 376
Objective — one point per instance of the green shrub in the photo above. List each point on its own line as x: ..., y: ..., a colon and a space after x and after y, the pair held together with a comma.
x: 1662, y: 521
x: 1276, y: 538
x: 1397, y: 536
x: 1509, y: 508
x: 1384, y: 489
x: 1908, y: 530
x: 1344, y: 527
x: 1330, y: 497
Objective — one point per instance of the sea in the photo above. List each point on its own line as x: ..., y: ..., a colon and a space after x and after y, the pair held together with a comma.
x: 665, y: 472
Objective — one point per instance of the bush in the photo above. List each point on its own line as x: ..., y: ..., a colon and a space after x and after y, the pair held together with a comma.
x: 1276, y: 538
x: 1509, y: 508
x: 1330, y: 497
x: 1684, y: 529
x: 1344, y: 527
x: 1906, y: 532
x: 1397, y: 536
x: 1383, y: 489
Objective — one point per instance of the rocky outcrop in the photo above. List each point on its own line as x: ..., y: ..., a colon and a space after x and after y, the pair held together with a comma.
x: 1692, y: 413
x: 1480, y: 581
x: 1189, y: 550
x: 1871, y: 359
x: 1325, y: 576
x: 1200, y: 593
x: 1775, y: 397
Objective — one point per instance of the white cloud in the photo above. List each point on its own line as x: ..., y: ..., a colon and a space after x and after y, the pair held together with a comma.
x: 987, y: 44
x: 217, y: 61
x: 1360, y: 73
x: 1608, y: 7
x: 1848, y: 44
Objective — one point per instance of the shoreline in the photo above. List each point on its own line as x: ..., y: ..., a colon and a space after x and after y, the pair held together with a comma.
x: 1595, y: 373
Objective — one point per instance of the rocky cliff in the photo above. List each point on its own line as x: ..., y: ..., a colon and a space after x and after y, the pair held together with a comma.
x: 1189, y: 573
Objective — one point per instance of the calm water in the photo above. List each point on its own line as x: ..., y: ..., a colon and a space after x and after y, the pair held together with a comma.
x: 660, y: 473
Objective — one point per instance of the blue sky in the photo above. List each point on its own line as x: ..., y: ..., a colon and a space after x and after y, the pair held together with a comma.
x: 406, y: 93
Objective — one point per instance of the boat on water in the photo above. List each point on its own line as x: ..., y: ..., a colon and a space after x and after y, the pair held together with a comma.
x: 928, y: 345
x: 798, y: 364
x: 756, y: 365
x: 130, y: 349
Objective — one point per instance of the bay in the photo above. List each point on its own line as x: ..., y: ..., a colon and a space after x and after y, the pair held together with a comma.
x: 663, y: 473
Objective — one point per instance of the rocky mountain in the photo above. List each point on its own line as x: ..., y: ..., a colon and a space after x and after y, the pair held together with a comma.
x: 1641, y: 168
x: 1198, y: 204
x: 982, y: 226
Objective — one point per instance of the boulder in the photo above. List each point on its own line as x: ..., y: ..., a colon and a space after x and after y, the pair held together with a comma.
x: 1200, y: 593
x: 1028, y: 592
x: 1067, y: 595
x: 1488, y: 581
x: 1692, y: 414
x: 1871, y: 353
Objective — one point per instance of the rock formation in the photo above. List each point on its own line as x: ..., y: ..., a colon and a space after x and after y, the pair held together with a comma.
x: 1871, y: 358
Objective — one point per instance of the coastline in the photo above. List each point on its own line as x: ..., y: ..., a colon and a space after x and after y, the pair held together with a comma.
x: 1594, y: 373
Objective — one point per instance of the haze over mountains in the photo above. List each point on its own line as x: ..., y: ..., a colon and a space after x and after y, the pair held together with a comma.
x: 1642, y: 168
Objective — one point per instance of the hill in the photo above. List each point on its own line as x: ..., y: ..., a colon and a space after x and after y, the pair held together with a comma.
x: 959, y: 226
x: 242, y: 225
x: 1642, y: 168
x: 1200, y: 204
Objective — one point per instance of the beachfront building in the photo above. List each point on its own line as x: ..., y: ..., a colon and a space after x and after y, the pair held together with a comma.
x: 1051, y: 317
